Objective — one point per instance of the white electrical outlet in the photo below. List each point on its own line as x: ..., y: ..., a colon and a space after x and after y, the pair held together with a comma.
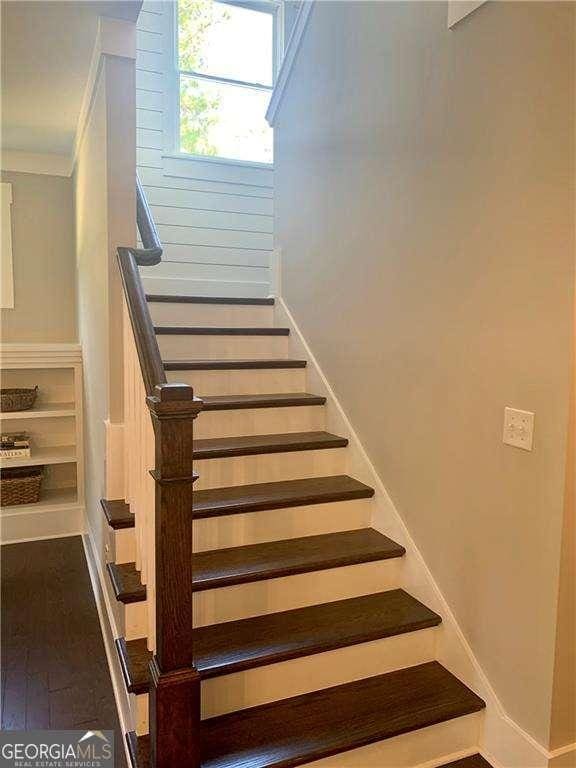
x: 518, y: 428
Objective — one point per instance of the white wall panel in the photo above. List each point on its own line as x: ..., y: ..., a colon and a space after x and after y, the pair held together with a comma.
x: 149, y: 118
x: 147, y: 22
x: 205, y: 254
x: 229, y: 238
x: 219, y: 171
x: 210, y: 201
x: 242, y: 222
x: 149, y: 100
x: 162, y: 179
x: 149, y: 81
x: 148, y: 41
x: 149, y: 138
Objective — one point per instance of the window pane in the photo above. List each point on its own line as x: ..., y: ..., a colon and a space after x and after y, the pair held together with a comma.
x: 225, y: 41
x: 224, y: 120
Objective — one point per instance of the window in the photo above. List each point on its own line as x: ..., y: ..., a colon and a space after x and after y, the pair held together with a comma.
x: 227, y: 53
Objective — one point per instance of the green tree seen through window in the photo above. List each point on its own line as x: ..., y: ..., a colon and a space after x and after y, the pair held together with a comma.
x: 198, y: 110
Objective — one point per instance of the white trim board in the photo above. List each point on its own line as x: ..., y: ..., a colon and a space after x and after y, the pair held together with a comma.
x: 109, y: 634
x: 115, y: 37
x: 39, y: 355
x: 114, y: 459
x: 35, y: 162
x: 503, y: 742
x: 7, y: 269
x: 289, y: 58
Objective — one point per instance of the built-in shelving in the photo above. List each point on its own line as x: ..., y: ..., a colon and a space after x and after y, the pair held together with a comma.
x: 53, y: 499
x: 55, y: 428
x: 42, y: 411
x: 60, y: 454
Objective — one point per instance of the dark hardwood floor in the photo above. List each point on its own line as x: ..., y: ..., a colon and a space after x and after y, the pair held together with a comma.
x: 53, y: 662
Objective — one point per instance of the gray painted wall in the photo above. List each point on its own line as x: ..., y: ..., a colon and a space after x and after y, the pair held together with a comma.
x: 43, y: 260
x: 424, y: 205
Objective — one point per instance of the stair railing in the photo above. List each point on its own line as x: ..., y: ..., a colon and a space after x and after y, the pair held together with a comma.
x: 159, y: 479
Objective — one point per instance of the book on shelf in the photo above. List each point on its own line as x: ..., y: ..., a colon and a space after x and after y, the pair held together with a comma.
x: 15, y: 453
x: 15, y: 445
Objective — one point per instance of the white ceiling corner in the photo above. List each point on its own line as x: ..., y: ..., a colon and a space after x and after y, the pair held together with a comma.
x: 47, y: 49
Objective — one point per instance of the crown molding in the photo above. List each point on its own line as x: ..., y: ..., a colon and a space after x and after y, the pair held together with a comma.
x: 289, y: 58
x: 36, y: 162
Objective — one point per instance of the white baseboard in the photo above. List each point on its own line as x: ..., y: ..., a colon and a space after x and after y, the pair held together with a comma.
x: 503, y: 742
x: 30, y: 525
x: 109, y: 634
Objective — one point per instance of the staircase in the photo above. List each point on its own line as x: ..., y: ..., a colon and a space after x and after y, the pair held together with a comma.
x: 302, y: 645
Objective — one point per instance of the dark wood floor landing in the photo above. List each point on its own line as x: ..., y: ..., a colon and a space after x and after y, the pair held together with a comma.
x: 54, y: 669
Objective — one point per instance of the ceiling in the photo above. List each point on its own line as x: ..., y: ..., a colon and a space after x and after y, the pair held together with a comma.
x: 46, y: 52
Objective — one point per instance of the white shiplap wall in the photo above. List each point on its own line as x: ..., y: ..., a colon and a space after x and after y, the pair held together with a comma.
x: 214, y: 218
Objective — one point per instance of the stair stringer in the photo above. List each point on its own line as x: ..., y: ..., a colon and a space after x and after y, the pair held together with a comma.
x: 502, y: 741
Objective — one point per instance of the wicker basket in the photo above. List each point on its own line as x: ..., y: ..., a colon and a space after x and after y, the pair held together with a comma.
x: 20, y: 485
x: 17, y: 399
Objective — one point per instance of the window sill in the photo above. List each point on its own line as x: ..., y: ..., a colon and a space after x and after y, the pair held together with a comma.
x: 218, y: 160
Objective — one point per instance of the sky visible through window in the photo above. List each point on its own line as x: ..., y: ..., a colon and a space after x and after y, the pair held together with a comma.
x: 217, y: 118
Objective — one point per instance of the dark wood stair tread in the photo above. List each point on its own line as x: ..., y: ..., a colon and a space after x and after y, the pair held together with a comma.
x: 231, y: 365
x: 474, y: 761
x: 223, y: 649
x: 126, y: 582
x: 117, y: 513
x: 134, y: 659
x: 209, y: 330
x: 237, y: 499
x: 258, y: 562
x: 279, y: 400
x: 180, y: 299
x: 250, y: 445
x: 213, y: 502
x: 305, y: 728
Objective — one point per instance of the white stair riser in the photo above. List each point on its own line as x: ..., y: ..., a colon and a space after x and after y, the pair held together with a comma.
x: 273, y: 595
x: 134, y: 625
x: 435, y: 745
x: 208, y: 347
x: 213, y: 315
x: 243, y: 382
x: 260, y: 421
x: 313, y: 673
x: 278, y: 524
x: 308, y: 673
x: 123, y: 546
x: 269, y: 467
x: 267, y: 525
x: 140, y: 713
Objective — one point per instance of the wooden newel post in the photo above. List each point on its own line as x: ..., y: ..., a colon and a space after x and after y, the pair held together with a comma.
x: 175, y: 683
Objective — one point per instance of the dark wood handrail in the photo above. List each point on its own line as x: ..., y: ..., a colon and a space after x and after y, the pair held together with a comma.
x: 175, y: 683
x: 151, y: 364
x: 151, y: 254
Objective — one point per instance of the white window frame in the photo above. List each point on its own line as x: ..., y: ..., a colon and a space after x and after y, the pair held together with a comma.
x: 276, y: 9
